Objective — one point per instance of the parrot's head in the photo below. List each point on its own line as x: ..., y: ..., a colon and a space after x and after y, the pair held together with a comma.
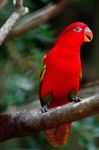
x: 79, y: 31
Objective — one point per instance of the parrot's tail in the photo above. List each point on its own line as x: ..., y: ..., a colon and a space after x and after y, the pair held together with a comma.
x: 58, y: 136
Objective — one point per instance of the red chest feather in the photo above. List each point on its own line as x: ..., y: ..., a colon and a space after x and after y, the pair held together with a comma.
x: 61, y: 77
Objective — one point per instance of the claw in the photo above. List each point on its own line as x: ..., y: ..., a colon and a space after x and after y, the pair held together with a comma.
x: 44, y: 109
x: 76, y: 99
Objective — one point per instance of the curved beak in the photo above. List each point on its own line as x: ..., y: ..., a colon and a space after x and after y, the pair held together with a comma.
x: 88, y: 35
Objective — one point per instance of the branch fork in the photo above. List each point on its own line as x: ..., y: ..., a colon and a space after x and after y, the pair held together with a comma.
x: 18, y: 7
x: 9, y: 24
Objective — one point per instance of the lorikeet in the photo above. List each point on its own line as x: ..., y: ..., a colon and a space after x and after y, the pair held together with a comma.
x: 60, y: 76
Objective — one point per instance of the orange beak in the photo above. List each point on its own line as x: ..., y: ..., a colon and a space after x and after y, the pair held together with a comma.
x: 88, y: 35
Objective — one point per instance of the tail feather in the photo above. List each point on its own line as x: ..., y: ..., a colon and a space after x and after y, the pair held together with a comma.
x: 58, y: 136
x: 51, y: 136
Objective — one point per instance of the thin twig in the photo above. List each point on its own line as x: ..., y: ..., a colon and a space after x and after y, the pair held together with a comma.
x: 9, y: 24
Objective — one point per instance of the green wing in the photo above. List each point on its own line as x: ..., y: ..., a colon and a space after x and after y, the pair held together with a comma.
x: 47, y: 99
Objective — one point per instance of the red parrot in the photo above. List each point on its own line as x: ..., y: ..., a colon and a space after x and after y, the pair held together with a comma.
x: 61, y: 75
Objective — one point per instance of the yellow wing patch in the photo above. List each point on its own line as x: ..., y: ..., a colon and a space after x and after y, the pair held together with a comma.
x: 43, y: 72
x: 44, y: 57
x: 43, y: 69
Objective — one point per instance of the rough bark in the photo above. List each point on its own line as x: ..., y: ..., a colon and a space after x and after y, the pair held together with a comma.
x: 27, y: 123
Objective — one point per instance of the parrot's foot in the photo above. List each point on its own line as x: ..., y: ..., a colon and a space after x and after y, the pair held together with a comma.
x: 75, y: 99
x: 44, y: 109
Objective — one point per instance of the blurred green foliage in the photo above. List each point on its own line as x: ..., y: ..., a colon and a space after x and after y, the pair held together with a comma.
x: 20, y: 60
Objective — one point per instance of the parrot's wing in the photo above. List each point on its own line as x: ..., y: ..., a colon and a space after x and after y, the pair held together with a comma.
x: 43, y: 68
x: 45, y: 101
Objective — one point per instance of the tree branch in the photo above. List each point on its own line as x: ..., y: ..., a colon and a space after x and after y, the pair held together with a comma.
x: 7, y: 27
x: 3, y: 3
x: 39, y: 17
x: 27, y: 123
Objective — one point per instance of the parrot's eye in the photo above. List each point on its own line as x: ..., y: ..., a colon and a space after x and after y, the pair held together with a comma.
x: 77, y: 29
